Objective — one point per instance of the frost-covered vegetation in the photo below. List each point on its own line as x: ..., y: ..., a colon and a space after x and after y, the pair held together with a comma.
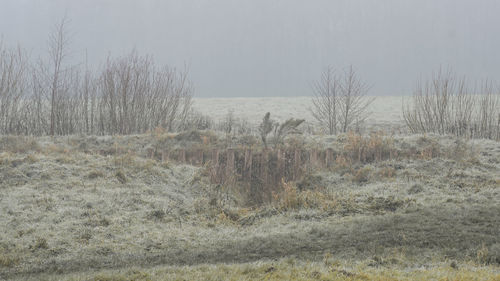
x: 117, y: 175
x: 81, y: 208
x: 50, y: 96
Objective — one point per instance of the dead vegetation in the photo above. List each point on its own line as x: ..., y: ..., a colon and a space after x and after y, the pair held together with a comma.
x: 447, y: 104
x: 141, y: 179
x: 340, y: 101
x: 257, y: 174
x: 128, y: 95
x: 159, y: 193
x: 291, y: 269
x: 88, y: 202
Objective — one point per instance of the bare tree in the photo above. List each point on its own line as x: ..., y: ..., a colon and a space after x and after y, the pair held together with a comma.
x: 340, y: 101
x: 87, y: 94
x: 58, y: 44
x: 353, y: 100
x: 326, y: 101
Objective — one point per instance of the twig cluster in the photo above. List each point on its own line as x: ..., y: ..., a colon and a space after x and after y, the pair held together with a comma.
x: 340, y: 101
x: 448, y: 105
x: 127, y: 95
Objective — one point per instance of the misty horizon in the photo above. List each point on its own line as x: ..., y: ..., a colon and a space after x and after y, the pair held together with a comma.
x: 273, y: 48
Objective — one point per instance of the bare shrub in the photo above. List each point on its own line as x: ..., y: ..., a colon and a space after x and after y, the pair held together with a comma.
x: 353, y: 100
x: 326, y: 101
x: 233, y: 125
x: 227, y: 125
x: 137, y: 96
x: 447, y: 105
x: 487, y: 119
x: 243, y: 127
x: 340, y: 101
x: 197, y: 121
x: 129, y: 95
x: 13, y: 87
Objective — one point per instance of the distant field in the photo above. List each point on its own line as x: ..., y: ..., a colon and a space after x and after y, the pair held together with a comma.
x: 385, y: 110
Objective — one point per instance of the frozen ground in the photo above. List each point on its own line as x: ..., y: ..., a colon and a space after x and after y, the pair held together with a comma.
x: 98, y: 208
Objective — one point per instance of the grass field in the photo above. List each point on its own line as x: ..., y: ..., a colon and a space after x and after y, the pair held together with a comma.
x: 101, y: 208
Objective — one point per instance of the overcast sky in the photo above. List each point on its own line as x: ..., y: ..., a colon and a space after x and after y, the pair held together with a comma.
x: 274, y: 47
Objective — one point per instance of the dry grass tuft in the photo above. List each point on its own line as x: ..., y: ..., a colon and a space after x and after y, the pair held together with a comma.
x: 387, y: 172
x: 55, y: 149
x: 95, y: 174
x: 374, y: 148
x: 488, y: 255
x: 8, y: 260
x: 361, y: 175
x: 342, y: 163
x: 291, y: 198
x: 39, y: 243
x: 125, y: 160
x: 288, y: 198
x: 120, y: 176
x: 18, y: 144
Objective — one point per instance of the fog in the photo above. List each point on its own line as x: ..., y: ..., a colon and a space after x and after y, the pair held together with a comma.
x: 269, y: 48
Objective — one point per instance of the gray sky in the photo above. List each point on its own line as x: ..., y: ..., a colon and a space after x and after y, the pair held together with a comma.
x: 274, y: 47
